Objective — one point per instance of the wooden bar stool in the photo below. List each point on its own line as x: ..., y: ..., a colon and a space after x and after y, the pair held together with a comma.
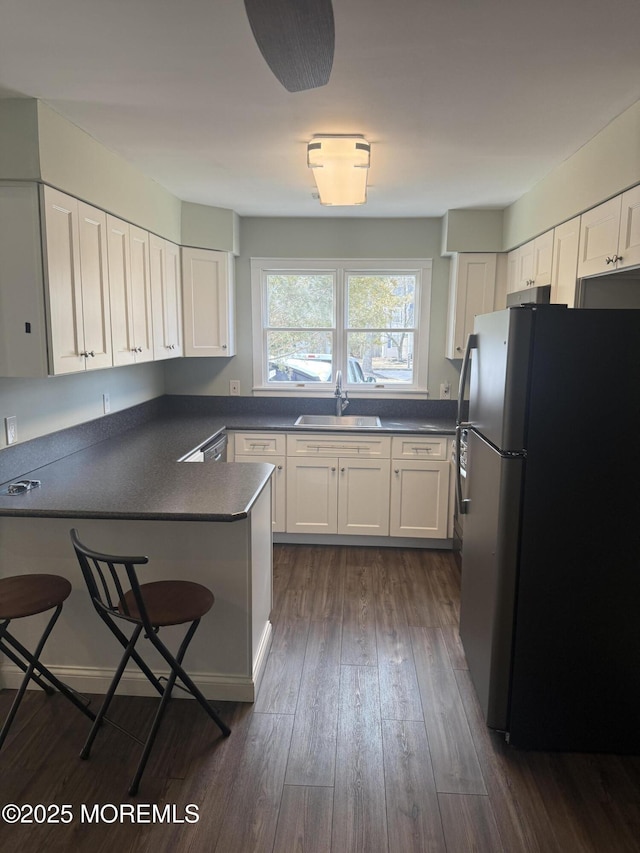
x: 27, y: 595
x: 147, y: 607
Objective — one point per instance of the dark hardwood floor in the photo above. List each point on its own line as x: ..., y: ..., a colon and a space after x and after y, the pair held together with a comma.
x: 366, y: 737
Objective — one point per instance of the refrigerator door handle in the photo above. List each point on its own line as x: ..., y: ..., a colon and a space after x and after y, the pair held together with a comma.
x: 462, y: 504
x: 472, y: 343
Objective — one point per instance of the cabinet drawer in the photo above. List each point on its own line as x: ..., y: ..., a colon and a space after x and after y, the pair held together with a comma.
x: 419, y: 447
x: 260, y: 443
x: 339, y: 445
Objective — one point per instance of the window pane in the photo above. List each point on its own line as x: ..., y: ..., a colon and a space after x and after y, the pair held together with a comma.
x: 299, y: 356
x: 382, y: 357
x: 300, y: 300
x: 381, y: 301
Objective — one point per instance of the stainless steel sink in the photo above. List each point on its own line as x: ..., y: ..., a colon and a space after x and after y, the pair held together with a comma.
x: 340, y: 421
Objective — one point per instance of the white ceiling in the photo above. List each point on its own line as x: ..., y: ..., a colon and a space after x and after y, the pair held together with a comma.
x: 467, y: 103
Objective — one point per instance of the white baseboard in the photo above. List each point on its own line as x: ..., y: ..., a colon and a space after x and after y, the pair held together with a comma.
x: 372, y: 541
x: 96, y: 680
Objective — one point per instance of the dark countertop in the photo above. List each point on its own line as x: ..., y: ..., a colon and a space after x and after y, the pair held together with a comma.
x: 136, y: 475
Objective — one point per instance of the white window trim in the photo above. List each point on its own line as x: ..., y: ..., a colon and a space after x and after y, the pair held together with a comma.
x: 421, y: 266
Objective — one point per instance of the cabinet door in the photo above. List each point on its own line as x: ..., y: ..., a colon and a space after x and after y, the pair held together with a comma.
x: 119, y: 257
x: 208, y: 303
x: 526, y: 257
x: 363, y: 497
x: 472, y: 292
x: 312, y: 495
x: 96, y: 311
x: 419, y: 499
x: 64, y: 291
x: 629, y: 241
x: 278, y: 488
x: 141, y: 295
x: 565, y: 262
x: 174, y: 299
x: 599, y: 230
x: 166, y: 298
x: 513, y: 271
x: 542, y: 258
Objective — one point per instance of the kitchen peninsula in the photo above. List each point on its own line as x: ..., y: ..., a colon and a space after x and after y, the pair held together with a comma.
x: 128, y: 494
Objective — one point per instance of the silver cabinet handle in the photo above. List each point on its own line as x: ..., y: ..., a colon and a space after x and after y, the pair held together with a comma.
x: 92, y: 354
x: 279, y: 467
x: 609, y: 260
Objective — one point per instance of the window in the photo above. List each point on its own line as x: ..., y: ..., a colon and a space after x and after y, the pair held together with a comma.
x: 368, y: 319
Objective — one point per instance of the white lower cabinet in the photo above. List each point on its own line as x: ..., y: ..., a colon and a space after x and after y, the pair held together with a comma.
x: 348, y: 484
x: 420, y: 479
x: 278, y: 491
x: 267, y: 447
x: 419, y: 499
x: 335, y: 495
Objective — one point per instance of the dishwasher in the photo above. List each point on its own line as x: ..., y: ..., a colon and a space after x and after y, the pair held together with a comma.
x: 215, y: 451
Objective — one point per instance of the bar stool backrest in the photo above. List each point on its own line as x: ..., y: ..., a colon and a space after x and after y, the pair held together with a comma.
x: 104, y: 574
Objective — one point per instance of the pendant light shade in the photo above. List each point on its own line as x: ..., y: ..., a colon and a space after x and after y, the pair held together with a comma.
x: 340, y: 167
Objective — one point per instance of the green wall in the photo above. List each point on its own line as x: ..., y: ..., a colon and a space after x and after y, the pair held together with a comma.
x: 605, y: 166
x: 320, y: 238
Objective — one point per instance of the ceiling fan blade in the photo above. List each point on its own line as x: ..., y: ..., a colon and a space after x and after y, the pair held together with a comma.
x: 296, y: 38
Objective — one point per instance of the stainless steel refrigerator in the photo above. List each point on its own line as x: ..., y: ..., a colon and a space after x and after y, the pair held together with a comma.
x: 550, y: 602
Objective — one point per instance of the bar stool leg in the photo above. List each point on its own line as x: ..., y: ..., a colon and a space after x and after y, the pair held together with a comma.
x: 29, y: 674
x: 86, y: 749
x: 176, y: 666
x: 71, y: 694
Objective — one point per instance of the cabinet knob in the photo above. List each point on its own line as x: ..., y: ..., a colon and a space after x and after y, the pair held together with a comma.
x: 396, y: 470
x: 343, y: 470
x: 609, y: 260
x: 224, y: 346
x: 333, y: 468
x: 92, y: 354
x: 139, y: 349
x: 279, y: 467
x: 458, y: 349
x: 617, y: 258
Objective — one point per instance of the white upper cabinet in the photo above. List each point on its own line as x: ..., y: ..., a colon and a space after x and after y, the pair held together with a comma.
x: 472, y: 290
x: 530, y: 264
x: 610, y: 235
x: 76, y: 273
x: 565, y: 262
x: 166, y: 297
x: 209, y: 303
x: 629, y: 236
x: 130, y: 290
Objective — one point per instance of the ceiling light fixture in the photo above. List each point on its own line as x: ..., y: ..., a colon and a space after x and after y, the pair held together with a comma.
x: 340, y: 165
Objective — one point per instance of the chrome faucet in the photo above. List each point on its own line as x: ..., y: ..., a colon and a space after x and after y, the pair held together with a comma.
x: 342, y: 397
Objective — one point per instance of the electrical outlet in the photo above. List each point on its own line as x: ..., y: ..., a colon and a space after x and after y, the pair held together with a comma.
x: 106, y: 403
x: 234, y: 387
x: 445, y: 391
x: 11, y: 428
